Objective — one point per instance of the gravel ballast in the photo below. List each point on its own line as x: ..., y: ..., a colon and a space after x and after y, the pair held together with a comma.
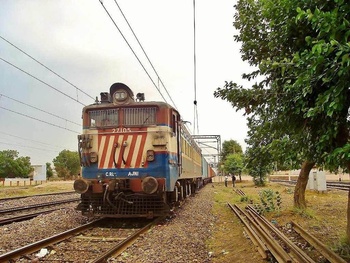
x: 180, y: 239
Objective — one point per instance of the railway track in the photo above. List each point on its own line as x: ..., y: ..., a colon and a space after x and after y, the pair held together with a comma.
x: 15, y: 214
x: 39, y: 195
x: 275, y: 246
x: 35, y: 206
x: 344, y: 186
x: 11, y: 219
x: 95, y: 241
x: 339, y: 185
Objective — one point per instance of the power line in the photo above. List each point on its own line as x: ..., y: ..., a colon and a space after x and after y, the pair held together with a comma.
x: 46, y: 67
x: 144, y: 52
x: 132, y: 50
x: 2, y: 95
x: 39, y: 120
x: 19, y: 145
x: 26, y: 139
x: 42, y: 81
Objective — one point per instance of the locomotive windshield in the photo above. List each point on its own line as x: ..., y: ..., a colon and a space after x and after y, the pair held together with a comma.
x: 122, y: 116
x: 139, y: 116
x: 103, y: 118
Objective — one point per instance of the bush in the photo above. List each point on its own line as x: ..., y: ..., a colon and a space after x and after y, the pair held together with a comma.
x: 269, y: 201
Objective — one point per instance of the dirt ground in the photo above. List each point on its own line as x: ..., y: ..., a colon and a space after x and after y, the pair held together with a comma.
x: 325, y: 218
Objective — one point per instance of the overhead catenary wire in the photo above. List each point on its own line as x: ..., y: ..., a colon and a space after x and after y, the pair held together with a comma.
x: 115, y: 24
x: 25, y: 115
x: 195, y: 101
x: 47, y: 68
x: 9, y: 63
x: 144, y: 52
x: 2, y: 95
x: 27, y: 139
x: 30, y: 147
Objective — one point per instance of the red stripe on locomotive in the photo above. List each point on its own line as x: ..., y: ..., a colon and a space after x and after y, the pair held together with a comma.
x: 132, y: 152
x: 139, y: 156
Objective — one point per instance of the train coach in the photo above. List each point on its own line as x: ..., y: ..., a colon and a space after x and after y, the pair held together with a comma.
x: 138, y: 158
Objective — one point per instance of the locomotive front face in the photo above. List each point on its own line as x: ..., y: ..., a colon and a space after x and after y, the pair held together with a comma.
x: 128, y: 153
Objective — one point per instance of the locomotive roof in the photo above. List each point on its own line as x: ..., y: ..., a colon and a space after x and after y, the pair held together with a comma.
x: 120, y: 95
x: 133, y: 104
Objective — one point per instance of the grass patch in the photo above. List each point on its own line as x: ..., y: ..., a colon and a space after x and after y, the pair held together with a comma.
x: 305, y: 213
x: 45, y: 188
x: 342, y: 248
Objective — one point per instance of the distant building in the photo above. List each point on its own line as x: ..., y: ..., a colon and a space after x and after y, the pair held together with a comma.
x: 39, y: 173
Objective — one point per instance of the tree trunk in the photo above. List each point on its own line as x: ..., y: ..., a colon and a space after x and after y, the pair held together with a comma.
x: 342, y: 139
x: 348, y: 213
x: 299, y: 192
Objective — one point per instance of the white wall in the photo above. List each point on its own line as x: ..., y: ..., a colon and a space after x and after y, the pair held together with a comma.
x: 39, y: 172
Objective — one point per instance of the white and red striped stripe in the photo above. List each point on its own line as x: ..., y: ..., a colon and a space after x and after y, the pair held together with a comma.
x: 133, y: 152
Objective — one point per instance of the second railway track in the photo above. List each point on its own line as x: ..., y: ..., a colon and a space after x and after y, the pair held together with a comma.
x: 92, y: 242
x: 12, y: 211
x: 275, y: 246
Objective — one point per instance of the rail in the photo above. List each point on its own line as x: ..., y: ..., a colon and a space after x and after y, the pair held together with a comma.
x: 325, y: 251
x: 55, y: 240
x: 272, y: 244
x: 38, y: 195
x: 16, y: 209
x: 23, y: 217
x: 344, y: 186
x: 119, y: 248
x: 31, y: 248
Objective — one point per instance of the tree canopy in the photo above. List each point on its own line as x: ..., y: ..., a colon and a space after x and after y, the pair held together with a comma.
x: 301, y: 53
x: 67, y: 164
x: 49, y: 171
x: 301, y: 99
x: 234, y: 163
x: 230, y: 147
x: 13, y: 166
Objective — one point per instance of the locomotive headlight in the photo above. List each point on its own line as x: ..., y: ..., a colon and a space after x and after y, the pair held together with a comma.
x: 120, y: 95
x: 150, y: 156
x: 149, y: 185
x: 81, y: 185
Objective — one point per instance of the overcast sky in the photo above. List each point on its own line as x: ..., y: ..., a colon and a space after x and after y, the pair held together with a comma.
x: 77, y: 40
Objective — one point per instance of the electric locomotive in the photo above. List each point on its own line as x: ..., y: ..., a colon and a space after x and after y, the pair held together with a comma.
x: 138, y: 158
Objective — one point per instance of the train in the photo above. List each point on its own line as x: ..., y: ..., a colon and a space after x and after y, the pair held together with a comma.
x: 138, y: 158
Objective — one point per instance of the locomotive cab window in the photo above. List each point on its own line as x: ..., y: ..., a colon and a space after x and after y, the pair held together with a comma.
x: 139, y: 116
x: 174, y: 124
x: 103, y: 118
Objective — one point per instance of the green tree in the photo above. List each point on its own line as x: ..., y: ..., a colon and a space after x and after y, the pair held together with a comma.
x: 13, y: 166
x: 230, y: 147
x: 67, y: 164
x: 49, y: 171
x: 301, y: 52
x: 269, y: 36
x: 234, y: 163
